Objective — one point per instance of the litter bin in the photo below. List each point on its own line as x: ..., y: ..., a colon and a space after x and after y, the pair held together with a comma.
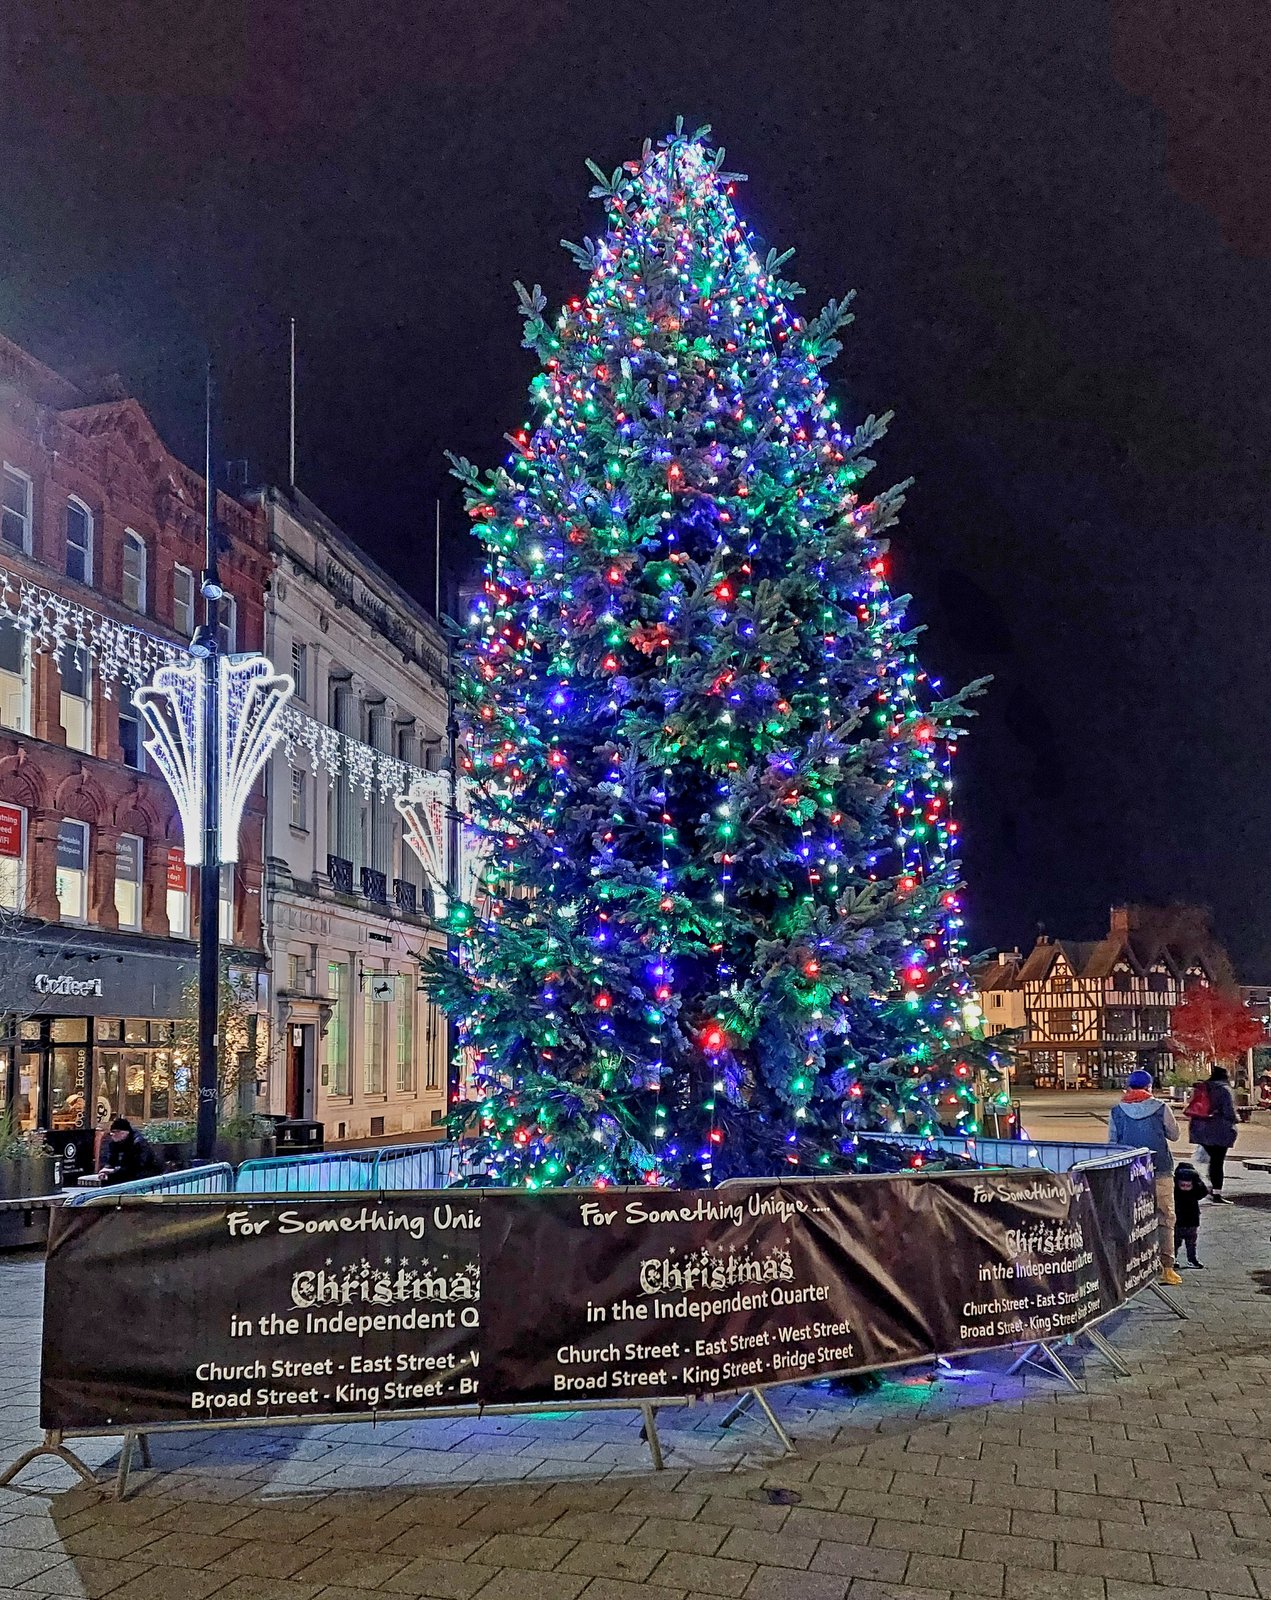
x: 297, y: 1138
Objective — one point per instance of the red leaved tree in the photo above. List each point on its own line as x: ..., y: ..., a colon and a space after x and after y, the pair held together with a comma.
x: 1214, y: 1026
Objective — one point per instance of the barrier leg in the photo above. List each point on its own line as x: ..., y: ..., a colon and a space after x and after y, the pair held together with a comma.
x: 1168, y: 1299
x: 651, y: 1435
x: 1057, y: 1364
x: 143, y: 1439
x: 1098, y: 1341
x: 1021, y: 1361
x: 787, y: 1443
x: 739, y: 1410
x: 52, y: 1446
x: 125, y: 1461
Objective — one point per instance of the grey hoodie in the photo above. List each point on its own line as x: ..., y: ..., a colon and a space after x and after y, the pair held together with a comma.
x: 1149, y: 1123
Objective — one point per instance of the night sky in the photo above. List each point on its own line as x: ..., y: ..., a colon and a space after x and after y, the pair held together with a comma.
x: 1058, y: 220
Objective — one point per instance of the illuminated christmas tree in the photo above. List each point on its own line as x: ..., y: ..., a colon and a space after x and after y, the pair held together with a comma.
x: 719, y: 927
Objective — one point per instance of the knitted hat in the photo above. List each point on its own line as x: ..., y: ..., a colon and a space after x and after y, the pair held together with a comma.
x: 1139, y: 1080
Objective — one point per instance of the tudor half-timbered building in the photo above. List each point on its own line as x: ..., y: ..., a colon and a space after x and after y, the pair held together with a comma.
x: 1096, y: 1011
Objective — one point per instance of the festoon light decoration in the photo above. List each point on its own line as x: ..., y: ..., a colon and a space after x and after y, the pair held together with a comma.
x: 121, y: 654
x: 722, y: 925
x: 426, y: 809
x: 250, y: 703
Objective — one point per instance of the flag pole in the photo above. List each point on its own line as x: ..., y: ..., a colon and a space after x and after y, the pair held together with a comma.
x: 291, y: 451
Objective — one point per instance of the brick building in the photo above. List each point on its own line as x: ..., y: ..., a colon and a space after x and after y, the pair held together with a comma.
x: 101, y: 546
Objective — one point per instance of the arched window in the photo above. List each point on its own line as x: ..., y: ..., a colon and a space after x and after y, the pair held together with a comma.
x: 134, y: 570
x: 79, y: 541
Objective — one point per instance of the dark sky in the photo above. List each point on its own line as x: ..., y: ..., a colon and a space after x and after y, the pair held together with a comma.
x: 1058, y: 220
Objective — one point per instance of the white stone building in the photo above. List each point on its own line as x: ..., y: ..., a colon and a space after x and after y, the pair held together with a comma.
x: 360, y: 1047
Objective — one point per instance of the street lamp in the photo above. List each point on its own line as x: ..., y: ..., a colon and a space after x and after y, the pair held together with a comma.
x: 214, y: 721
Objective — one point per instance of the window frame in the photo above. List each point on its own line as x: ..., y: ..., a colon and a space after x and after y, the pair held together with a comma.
x: 298, y: 809
x: 74, y: 503
x: 300, y: 670
x: 227, y: 625
x: 336, y: 1056
x: 23, y: 725
x: 129, y: 716
x: 135, y: 541
x: 138, y: 883
x: 85, y: 833
x: 374, y: 1042
x: 186, y: 629
x: 85, y: 699
x: 227, y: 903
x: 407, y: 1067
x: 27, y: 515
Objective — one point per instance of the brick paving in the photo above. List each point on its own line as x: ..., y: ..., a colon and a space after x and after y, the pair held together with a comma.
x: 929, y: 1488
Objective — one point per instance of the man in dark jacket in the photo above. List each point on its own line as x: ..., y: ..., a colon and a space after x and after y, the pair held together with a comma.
x: 1141, y: 1119
x: 1215, y: 1132
x: 128, y: 1155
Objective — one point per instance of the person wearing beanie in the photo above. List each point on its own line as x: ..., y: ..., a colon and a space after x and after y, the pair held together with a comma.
x: 1143, y: 1120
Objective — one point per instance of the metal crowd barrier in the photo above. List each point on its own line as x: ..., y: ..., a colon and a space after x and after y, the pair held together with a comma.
x: 424, y: 1166
x: 440, y: 1165
x: 1040, y: 1156
x: 215, y: 1179
x: 335, y: 1173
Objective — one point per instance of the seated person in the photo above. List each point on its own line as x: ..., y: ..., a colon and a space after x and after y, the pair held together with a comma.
x: 128, y: 1155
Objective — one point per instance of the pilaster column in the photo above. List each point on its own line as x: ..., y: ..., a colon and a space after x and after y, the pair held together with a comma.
x: 103, y: 845
x: 154, y: 893
x: 42, y: 856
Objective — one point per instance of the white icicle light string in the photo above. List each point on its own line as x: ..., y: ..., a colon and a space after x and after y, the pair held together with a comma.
x: 122, y: 653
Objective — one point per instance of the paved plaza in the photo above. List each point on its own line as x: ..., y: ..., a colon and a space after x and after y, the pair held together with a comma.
x: 974, y: 1484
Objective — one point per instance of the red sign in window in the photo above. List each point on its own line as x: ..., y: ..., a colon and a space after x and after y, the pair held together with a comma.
x: 10, y: 831
x: 176, y: 868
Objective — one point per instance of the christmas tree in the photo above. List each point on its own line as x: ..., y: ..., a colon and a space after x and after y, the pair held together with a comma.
x: 719, y: 927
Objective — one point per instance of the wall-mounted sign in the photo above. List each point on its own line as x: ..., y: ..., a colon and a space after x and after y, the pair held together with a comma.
x: 11, y: 832
x: 46, y: 983
x: 176, y: 868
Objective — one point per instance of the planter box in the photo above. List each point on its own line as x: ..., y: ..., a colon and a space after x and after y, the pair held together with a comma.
x: 38, y: 1176
x: 236, y: 1151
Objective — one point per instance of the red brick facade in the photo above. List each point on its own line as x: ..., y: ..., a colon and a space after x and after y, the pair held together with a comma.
x: 109, y: 458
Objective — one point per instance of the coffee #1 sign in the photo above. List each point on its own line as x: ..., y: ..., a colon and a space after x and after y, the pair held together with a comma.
x: 236, y: 1309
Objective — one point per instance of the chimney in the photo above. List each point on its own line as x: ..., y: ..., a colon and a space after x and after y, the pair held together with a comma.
x: 1119, y: 919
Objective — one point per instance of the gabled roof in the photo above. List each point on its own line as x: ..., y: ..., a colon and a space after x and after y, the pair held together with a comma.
x: 126, y: 424
x: 997, y: 975
x: 1141, y: 937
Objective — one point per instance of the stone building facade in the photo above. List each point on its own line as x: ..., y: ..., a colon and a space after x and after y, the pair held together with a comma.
x: 363, y: 1049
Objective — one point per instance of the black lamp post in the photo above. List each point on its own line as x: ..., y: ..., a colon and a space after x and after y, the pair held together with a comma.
x: 206, y: 646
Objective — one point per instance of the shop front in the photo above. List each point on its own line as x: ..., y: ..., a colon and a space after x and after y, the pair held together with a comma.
x: 92, y: 1034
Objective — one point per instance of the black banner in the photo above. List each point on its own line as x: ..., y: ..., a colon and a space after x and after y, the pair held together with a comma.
x: 173, y: 1311
x: 170, y: 1311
